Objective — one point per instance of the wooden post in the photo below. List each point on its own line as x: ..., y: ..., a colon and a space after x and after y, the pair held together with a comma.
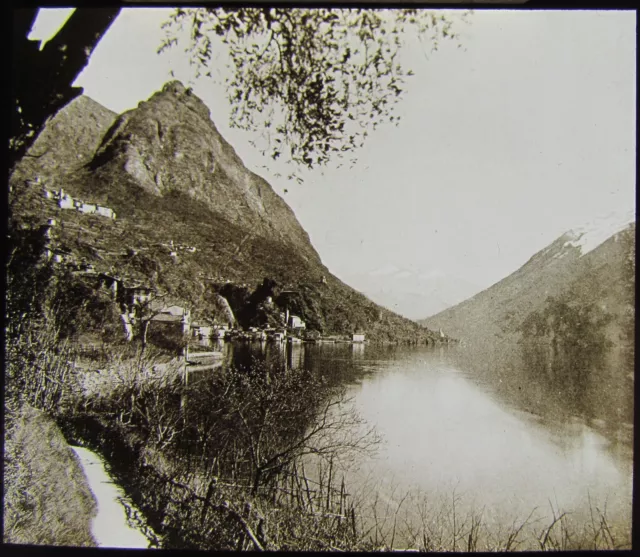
x: 306, y: 483
x: 329, y: 485
x: 291, y: 498
x: 353, y: 520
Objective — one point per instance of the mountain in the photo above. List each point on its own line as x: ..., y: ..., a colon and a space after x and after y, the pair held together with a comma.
x: 592, y: 268
x: 192, y: 221
x: 169, y: 144
x: 68, y: 141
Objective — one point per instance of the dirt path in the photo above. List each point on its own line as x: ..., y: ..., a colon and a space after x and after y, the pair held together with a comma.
x: 117, y: 522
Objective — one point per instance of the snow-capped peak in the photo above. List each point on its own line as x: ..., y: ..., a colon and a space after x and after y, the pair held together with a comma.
x: 590, y: 236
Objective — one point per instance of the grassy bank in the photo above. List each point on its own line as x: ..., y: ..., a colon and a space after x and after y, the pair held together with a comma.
x: 46, y: 497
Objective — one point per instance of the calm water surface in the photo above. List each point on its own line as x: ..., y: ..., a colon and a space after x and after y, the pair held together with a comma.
x: 491, y: 431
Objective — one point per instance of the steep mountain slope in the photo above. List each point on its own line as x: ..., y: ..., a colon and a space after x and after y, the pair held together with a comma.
x: 169, y: 144
x: 191, y: 219
x: 582, y: 267
x: 68, y: 141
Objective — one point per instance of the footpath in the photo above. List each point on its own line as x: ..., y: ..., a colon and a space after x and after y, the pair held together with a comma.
x: 117, y: 522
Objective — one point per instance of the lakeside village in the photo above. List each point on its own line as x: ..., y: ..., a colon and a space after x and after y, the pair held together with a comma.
x: 143, y: 309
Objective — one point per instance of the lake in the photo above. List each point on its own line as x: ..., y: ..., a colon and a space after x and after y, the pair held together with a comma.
x: 503, y: 429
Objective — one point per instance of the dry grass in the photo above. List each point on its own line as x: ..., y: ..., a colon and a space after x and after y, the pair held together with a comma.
x: 47, y: 499
x: 443, y: 524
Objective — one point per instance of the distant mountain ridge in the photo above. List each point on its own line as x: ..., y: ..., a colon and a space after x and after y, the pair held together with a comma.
x: 174, y: 181
x: 590, y: 265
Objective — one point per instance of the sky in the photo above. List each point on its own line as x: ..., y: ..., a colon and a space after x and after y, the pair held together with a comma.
x: 523, y: 133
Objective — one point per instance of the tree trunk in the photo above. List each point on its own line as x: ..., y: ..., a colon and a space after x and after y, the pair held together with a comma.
x: 256, y: 482
x: 42, y: 80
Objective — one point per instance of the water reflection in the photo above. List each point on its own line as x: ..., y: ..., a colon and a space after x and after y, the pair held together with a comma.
x: 558, y: 384
x: 512, y: 427
x: 446, y: 428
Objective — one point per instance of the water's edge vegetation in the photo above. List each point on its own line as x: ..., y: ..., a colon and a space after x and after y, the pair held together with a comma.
x: 219, y: 463
x: 246, y: 457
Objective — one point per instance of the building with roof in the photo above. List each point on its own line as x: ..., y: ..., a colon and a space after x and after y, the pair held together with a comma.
x: 201, y: 329
x: 357, y: 337
x: 136, y: 295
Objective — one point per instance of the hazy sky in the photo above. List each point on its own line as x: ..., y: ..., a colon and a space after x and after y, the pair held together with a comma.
x: 506, y: 143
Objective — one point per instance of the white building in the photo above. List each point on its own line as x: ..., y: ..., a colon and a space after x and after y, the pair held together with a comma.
x: 201, y: 329
x: 88, y: 208
x: 296, y: 322
x: 105, y: 212
x: 66, y: 201
x: 357, y: 337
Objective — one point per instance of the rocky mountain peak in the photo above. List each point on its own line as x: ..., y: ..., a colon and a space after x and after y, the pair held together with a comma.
x: 193, y: 223
x: 169, y: 144
x: 176, y: 86
x: 592, y: 260
x: 589, y: 236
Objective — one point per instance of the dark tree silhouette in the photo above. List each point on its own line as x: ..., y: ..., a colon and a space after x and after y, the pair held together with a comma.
x: 41, y: 80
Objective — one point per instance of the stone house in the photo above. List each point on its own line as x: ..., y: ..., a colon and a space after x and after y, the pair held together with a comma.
x: 105, y: 212
x: 47, y: 230
x: 110, y: 282
x: 136, y: 295
x: 65, y: 201
x: 87, y: 208
x: 296, y: 322
x: 201, y: 329
x: 168, y: 326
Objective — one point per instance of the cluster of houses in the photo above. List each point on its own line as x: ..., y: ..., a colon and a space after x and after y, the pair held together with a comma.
x: 174, y: 248
x: 60, y: 254
x: 134, y: 297
x: 66, y: 201
x: 138, y: 302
